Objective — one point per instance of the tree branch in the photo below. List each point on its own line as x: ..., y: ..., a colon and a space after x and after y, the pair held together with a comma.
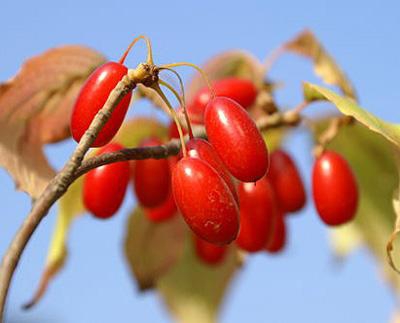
x: 56, y: 188
x: 76, y: 166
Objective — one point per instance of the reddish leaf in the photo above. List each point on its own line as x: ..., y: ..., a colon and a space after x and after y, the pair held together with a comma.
x: 35, y: 107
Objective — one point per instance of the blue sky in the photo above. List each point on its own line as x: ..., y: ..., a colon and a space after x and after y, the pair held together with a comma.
x: 302, y: 285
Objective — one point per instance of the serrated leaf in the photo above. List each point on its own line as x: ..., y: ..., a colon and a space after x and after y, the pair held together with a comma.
x: 151, y: 249
x: 70, y: 206
x: 231, y: 63
x: 35, y: 106
x: 307, y: 44
x: 348, y: 107
x: 192, y: 291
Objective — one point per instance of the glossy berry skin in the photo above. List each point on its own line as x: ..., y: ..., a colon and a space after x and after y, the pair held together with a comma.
x: 163, y: 212
x: 287, y: 183
x: 209, y: 253
x: 91, y: 99
x: 236, y: 139
x: 335, y: 189
x: 205, y: 201
x: 258, y: 210
x: 277, y: 240
x: 200, y: 148
x: 151, y: 178
x: 240, y: 90
x: 104, y: 187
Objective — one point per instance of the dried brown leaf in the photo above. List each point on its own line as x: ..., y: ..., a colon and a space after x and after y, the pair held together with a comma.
x: 306, y: 44
x: 35, y: 107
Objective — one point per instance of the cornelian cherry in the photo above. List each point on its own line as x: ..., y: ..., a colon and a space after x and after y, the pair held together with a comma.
x: 104, y: 187
x: 287, y: 183
x: 257, y: 213
x: 151, y: 178
x: 277, y: 240
x: 162, y: 212
x: 209, y: 253
x: 91, y: 99
x: 205, y: 201
x: 236, y: 139
x: 335, y: 189
x: 241, y: 90
x: 200, y: 148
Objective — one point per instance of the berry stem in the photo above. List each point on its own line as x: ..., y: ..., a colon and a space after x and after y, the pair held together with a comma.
x: 156, y: 87
x: 181, y: 100
x: 200, y: 70
x: 149, y: 49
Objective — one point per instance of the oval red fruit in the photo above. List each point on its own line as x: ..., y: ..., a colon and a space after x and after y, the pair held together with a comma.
x: 277, y: 240
x: 335, y: 189
x: 104, y: 187
x: 242, y: 91
x: 257, y: 212
x: 205, y: 201
x: 200, y: 148
x: 91, y: 99
x: 151, y: 178
x: 163, y: 212
x: 287, y: 183
x: 236, y: 139
x: 209, y: 253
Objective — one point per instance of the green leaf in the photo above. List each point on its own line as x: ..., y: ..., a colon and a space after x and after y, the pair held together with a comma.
x: 345, y: 239
x: 307, y: 44
x: 69, y: 208
x: 371, y: 157
x: 193, y: 291
x: 348, y: 107
x: 152, y: 248
x: 134, y: 131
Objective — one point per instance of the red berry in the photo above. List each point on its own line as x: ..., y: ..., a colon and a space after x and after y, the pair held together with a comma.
x: 173, y: 131
x: 104, y: 187
x: 240, y: 90
x: 236, y: 139
x: 205, y: 201
x: 163, y: 212
x: 257, y: 213
x: 91, y: 99
x: 286, y: 181
x: 335, y: 189
x: 209, y: 253
x: 277, y: 240
x: 151, y: 178
x: 199, y: 148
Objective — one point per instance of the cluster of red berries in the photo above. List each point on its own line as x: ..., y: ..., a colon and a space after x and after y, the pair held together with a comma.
x: 227, y: 188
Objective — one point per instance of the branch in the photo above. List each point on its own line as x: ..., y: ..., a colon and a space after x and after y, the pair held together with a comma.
x: 173, y: 147
x: 76, y: 167
x: 56, y: 188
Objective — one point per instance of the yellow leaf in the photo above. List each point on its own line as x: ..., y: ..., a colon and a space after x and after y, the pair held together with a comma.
x: 70, y: 206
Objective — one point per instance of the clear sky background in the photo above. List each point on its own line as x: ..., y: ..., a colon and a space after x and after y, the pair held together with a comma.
x: 302, y: 285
